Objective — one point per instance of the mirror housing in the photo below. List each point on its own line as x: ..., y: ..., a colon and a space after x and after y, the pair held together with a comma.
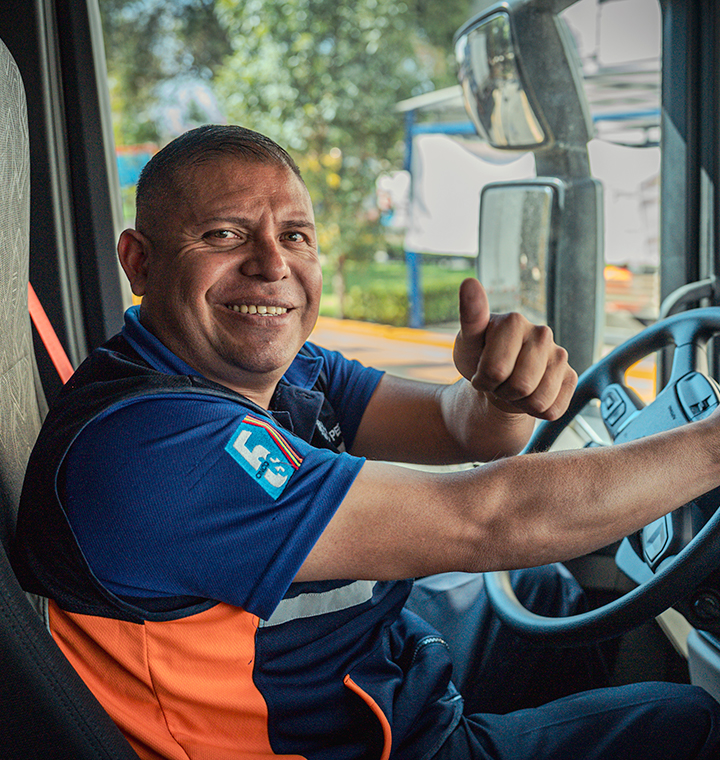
x: 529, y: 231
x: 520, y: 77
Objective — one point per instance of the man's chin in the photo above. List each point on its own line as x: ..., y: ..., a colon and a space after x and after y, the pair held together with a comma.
x: 260, y: 369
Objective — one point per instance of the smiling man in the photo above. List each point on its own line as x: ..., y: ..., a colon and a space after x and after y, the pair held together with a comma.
x: 228, y: 561
x: 232, y: 286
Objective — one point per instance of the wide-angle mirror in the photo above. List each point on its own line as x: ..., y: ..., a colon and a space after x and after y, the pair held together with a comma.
x: 518, y: 231
x: 495, y: 93
x: 529, y: 232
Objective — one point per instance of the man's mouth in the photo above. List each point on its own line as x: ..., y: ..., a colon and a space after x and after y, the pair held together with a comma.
x: 262, y: 309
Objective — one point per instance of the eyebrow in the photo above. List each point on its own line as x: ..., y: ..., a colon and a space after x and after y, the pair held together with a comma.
x: 242, y: 221
x: 298, y: 223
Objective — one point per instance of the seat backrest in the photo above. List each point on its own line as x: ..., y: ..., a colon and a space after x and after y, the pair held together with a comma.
x: 19, y: 402
x: 46, y: 711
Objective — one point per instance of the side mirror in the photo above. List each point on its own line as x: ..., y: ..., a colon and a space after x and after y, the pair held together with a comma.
x: 541, y: 240
x: 518, y: 234
x: 496, y: 96
x: 520, y: 77
x: 532, y: 230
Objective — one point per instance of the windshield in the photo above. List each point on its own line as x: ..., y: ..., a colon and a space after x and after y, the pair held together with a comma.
x: 366, y: 98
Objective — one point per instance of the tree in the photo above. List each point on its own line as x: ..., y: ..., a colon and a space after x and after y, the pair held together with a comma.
x: 151, y: 45
x: 322, y: 78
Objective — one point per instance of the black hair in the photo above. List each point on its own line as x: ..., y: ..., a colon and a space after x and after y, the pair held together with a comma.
x: 163, y: 175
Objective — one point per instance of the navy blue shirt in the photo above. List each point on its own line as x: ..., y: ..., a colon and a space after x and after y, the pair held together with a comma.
x: 219, y: 501
x: 180, y: 512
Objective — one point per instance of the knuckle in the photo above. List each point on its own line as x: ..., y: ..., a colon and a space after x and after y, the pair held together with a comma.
x: 544, y: 336
x: 522, y: 388
x: 561, y: 355
x: 552, y: 414
x: 514, y: 321
x: 543, y: 399
x: 493, y: 374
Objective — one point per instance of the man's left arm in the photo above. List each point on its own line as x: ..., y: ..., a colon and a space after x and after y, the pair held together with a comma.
x: 512, y: 373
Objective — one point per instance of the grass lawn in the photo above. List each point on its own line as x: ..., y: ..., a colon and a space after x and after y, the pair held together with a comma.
x: 370, y: 283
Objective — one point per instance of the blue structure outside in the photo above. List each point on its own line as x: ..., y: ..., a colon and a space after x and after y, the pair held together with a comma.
x: 412, y: 258
x: 130, y: 165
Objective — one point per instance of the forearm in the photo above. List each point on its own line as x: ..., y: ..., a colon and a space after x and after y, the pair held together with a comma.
x: 551, y: 507
x: 516, y: 512
x: 424, y: 423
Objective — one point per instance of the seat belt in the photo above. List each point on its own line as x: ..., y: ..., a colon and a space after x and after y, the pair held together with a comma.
x: 48, y: 337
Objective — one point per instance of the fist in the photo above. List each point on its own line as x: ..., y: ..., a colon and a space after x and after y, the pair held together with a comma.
x: 515, y: 363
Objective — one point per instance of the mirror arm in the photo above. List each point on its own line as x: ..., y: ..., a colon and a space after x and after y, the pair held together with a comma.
x: 693, y: 291
x: 566, y: 162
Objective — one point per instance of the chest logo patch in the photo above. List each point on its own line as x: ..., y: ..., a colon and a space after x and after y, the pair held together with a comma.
x: 264, y: 453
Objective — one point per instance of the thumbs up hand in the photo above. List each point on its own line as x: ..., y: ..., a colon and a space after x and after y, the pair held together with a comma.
x: 515, y: 363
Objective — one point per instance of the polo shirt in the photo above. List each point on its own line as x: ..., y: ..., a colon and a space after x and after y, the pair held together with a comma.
x: 164, y: 518
x: 171, y: 472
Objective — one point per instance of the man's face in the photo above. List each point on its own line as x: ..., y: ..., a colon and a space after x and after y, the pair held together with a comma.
x: 233, y: 280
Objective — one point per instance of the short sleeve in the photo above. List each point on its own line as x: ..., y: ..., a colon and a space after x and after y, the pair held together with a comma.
x: 348, y: 387
x: 190, y: 496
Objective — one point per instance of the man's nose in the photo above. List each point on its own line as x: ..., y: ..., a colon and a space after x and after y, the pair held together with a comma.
x: 267, y: 260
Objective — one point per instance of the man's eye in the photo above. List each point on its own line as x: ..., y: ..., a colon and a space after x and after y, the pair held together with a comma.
x: 221, y: 235
x: 295, y: 237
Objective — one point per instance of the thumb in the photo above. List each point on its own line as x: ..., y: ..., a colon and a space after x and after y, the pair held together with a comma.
x: 474, y: 319
x: 474, y: 310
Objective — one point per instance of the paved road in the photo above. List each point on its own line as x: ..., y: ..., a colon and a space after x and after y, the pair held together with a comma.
x: 420, y: 354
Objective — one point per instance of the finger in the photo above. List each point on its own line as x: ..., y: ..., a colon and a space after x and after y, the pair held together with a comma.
x: 538, y: 366
x: 504, y: 340
x: 474, y: 310
x: 524, y: 368
x: 474, y: 318
x: 551, y: 397
x: 562, y: 401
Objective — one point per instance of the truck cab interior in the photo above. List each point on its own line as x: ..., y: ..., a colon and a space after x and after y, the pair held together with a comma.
x: 60, y: 214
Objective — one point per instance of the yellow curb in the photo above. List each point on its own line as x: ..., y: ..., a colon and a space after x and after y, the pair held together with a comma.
x: 406, y: 334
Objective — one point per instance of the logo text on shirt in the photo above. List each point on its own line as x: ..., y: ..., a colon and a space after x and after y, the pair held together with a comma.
x: 264, y: 453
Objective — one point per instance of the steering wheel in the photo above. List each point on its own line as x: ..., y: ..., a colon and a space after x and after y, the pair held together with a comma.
x: 676, y: 553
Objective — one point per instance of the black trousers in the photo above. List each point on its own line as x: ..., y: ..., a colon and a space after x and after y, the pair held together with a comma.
x: 530, y: 702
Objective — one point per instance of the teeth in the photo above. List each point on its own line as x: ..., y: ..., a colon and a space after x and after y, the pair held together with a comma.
x: 261, y: 309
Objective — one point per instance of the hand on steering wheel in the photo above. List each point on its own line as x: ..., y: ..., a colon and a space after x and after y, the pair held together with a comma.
x: 674, y: 563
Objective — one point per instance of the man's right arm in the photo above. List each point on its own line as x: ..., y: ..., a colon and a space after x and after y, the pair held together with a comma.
x: 519, y: 512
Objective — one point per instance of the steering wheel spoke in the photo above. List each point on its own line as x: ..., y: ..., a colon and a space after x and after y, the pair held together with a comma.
x: 619, y: 405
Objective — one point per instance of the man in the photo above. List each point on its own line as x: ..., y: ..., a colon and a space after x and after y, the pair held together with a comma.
x: 226, y: 548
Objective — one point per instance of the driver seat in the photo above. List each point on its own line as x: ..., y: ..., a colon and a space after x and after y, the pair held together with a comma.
x: 46, y: 711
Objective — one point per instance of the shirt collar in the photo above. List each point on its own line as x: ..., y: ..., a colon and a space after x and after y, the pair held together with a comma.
x: 303, y: 372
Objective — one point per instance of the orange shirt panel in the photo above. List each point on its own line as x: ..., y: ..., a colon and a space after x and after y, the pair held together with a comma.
x: 178, y: 690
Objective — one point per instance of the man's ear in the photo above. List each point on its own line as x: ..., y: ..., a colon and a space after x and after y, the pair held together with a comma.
x: 133, y: 251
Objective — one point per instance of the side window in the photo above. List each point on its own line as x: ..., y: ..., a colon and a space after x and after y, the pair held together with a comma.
x: 324, y: 79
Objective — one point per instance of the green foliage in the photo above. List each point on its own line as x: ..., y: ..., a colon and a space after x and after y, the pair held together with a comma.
x: 439, y: 21
x: 379, y: 293
x: 317, y: 74
x: 149, y: 43
x: 322, y: 77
